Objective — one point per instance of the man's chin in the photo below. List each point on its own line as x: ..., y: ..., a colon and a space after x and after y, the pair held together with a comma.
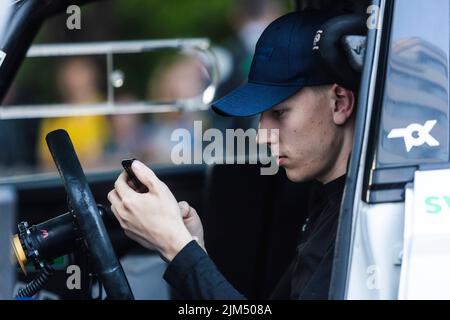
x: 296, y: 176
x: 292, y: 175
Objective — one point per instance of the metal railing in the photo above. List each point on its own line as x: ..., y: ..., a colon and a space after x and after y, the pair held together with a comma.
x: 199, y: 48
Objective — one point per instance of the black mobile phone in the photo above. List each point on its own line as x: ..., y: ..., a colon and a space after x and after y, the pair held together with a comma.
x: 126, y: 164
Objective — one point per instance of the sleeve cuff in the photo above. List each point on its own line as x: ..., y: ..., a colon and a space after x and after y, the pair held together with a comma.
x: 184, y: 262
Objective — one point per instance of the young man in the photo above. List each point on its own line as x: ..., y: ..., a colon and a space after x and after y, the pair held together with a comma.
x: 293, y: 93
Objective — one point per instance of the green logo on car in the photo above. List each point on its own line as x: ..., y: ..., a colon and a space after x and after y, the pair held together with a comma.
x: 435, y: 205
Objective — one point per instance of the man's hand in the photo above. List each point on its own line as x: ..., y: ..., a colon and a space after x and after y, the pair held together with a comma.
x: 152, y: 219
x: 192, y: 222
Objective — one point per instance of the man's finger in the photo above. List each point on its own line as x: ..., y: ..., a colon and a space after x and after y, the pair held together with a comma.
x: 184, y: 209
x: 122, y: 187
x: 192, y: 212
x: 116, y: 206
x: 145, y: 175
x: 113, y: 197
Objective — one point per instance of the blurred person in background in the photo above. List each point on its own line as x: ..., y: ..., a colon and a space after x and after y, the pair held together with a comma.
x: 184, y: 78
x: 128, y: 138
x: 248, y: 19
x: 78, y: 83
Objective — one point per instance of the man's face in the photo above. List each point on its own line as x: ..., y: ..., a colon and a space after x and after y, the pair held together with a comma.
x: 309, y: 141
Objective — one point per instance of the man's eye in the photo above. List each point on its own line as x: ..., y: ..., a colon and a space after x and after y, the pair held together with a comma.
x: 278, y: 113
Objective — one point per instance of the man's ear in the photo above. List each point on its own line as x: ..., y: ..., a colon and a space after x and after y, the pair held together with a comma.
x: 343, y: 104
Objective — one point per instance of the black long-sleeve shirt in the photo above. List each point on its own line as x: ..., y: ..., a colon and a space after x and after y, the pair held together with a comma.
x: 194, y: 275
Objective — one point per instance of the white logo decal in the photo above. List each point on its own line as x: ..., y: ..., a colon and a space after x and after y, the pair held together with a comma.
x: 2, y: 57
x: 317, y: 40
x: 416, y: 135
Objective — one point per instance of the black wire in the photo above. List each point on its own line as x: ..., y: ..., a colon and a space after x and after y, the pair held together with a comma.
x: 37, y: 284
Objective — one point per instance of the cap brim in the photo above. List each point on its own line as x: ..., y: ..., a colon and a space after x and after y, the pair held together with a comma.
x: 252, y: 98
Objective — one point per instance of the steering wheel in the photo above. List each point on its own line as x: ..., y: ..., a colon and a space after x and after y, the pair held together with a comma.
x: 341, y: 46
x: 90, y: 223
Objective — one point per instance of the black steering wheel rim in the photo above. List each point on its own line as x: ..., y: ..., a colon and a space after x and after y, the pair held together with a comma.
x: 331, y: 49
x: 91, y: 225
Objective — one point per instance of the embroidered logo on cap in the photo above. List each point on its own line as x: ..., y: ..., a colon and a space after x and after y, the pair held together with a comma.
x: 317, y: 39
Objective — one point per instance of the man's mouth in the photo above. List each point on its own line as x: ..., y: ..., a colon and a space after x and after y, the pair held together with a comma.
x: 281, y: 160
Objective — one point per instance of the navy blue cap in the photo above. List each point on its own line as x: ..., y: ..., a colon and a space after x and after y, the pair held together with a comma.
x: 284, y: 62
